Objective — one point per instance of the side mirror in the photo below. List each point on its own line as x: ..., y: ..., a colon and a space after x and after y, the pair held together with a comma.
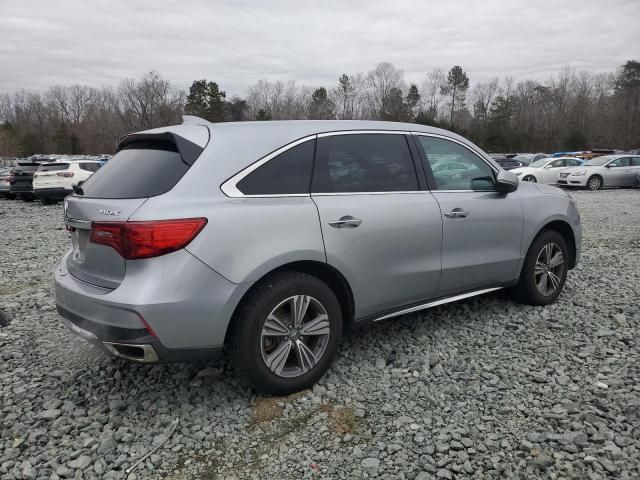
x: 608, y: 165
x: 506, y: 182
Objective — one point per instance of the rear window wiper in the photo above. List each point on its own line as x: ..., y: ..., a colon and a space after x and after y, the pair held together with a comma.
x: 77, y: 189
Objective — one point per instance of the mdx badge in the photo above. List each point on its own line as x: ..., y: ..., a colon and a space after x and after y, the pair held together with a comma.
x: 108, y: 211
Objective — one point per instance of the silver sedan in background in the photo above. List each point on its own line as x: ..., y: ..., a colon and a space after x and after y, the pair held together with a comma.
x: 601, y: 172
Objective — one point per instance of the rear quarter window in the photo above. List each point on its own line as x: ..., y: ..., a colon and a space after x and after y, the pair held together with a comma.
x: 286, y: 174
x: 140, y: 170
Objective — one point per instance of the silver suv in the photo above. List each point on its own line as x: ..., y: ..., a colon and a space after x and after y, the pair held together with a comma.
x: 271, y: 238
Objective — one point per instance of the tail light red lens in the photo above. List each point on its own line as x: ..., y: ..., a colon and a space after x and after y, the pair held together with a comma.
x: 137, y: 240
x: 65, y: 174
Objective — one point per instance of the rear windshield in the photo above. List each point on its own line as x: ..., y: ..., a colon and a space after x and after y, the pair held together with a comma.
x: 140, y: 170
x: 27, y: 167
x: 50, y: 167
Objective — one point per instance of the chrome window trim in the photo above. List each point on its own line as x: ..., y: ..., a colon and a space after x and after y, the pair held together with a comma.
x: 394, y: 192
x: 230, y: 186
x: 435, y: 303
x: 361, y: 132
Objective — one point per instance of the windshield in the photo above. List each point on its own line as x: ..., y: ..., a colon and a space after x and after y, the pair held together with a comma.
x: 539, y: 163
x: 594, y: 162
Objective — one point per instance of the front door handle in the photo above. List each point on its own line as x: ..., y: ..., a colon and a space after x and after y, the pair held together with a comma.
x: 456, y: 213
x: 346, y: 222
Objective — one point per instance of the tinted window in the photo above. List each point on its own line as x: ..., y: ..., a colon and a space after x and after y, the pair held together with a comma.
x: 91, y: 167
x: 470, y: 172
x: 635, y: 161
x: 142, y: 169
x: 26, y: 168
x: 573, y: 163
x: 288, y: 173
x: 364, y: 163
x: 52, y: 167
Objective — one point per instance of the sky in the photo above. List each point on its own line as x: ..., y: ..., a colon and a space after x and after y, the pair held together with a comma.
x: 236, y: 43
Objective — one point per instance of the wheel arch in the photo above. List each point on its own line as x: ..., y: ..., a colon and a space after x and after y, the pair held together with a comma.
x: 325, y: 272
x: 564, y: 229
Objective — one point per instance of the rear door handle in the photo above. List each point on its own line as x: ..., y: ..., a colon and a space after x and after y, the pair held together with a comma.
x: 456, y: 213
x: 346, y: 222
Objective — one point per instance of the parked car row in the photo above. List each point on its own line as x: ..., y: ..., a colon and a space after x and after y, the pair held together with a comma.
x: 48, y: 181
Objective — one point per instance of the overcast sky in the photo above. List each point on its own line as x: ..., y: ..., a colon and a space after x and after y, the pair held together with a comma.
x: 99, y: 42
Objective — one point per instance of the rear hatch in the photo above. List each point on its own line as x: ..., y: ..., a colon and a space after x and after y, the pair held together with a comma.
x: 22, y: 177
x: 146, y: 165
x: 51, y: 175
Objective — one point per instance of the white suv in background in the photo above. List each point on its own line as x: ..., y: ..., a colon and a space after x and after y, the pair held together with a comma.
x: 54, y: 181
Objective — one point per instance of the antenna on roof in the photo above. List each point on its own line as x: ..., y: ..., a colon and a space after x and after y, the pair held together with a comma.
x: 192, y: 119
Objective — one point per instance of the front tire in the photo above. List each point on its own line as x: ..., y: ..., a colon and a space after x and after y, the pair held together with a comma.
x: 595, y: 183
x: 286, y: 333
x: 530, y: 178
x: 544, y: 271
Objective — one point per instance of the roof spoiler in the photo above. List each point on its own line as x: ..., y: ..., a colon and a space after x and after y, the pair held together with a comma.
x: 189, y: 151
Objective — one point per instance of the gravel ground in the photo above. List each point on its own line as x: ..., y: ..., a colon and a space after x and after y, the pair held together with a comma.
x: 484, y: 388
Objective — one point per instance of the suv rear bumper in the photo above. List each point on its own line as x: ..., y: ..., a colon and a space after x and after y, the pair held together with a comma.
x: 56, y: 193
x: 152, y: 318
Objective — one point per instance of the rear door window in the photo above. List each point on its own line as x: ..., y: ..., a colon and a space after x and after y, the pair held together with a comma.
x: 140, y: 170
x: 364, y: 163
x: 286, y: 174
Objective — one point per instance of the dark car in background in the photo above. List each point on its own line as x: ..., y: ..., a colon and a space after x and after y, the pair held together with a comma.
x: 508, y: 163
x: 5, y: 176
x: 21, y: 180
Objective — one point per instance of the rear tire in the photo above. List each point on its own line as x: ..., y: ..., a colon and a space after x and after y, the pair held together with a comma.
x: 530, y: 178
x: 277, y: 364
x: 544, y: 271
x: 595, y: 183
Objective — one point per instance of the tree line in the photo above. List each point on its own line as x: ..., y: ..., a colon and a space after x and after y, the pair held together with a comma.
x: 570, y: 111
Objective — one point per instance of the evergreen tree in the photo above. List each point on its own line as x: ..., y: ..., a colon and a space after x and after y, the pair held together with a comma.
x: 321, y: 106
x: 456, y: 88
x: 206, y: 100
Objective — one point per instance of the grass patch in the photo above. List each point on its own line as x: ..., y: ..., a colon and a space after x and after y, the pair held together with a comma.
x: 267, y: 409
x: 341, y: 419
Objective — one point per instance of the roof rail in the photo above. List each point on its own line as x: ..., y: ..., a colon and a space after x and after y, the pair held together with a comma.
x: 192, y: 119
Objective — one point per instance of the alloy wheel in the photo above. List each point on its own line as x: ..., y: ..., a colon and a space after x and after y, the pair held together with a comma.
x: 595, y: 183
x: 295, y: 336
x: 549, y: 269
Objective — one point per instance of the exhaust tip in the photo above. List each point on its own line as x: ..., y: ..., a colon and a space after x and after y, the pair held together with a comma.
x: 137, y: 353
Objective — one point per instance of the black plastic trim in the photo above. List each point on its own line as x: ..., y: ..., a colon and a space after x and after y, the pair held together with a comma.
x: 189, y: 151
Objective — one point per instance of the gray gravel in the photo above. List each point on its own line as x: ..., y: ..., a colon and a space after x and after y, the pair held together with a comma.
x: 485, y: 388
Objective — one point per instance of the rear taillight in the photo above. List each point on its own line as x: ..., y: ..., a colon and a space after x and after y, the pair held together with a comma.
x: 65, y: 174
x: 137, y: 240
x: 4, y: 179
